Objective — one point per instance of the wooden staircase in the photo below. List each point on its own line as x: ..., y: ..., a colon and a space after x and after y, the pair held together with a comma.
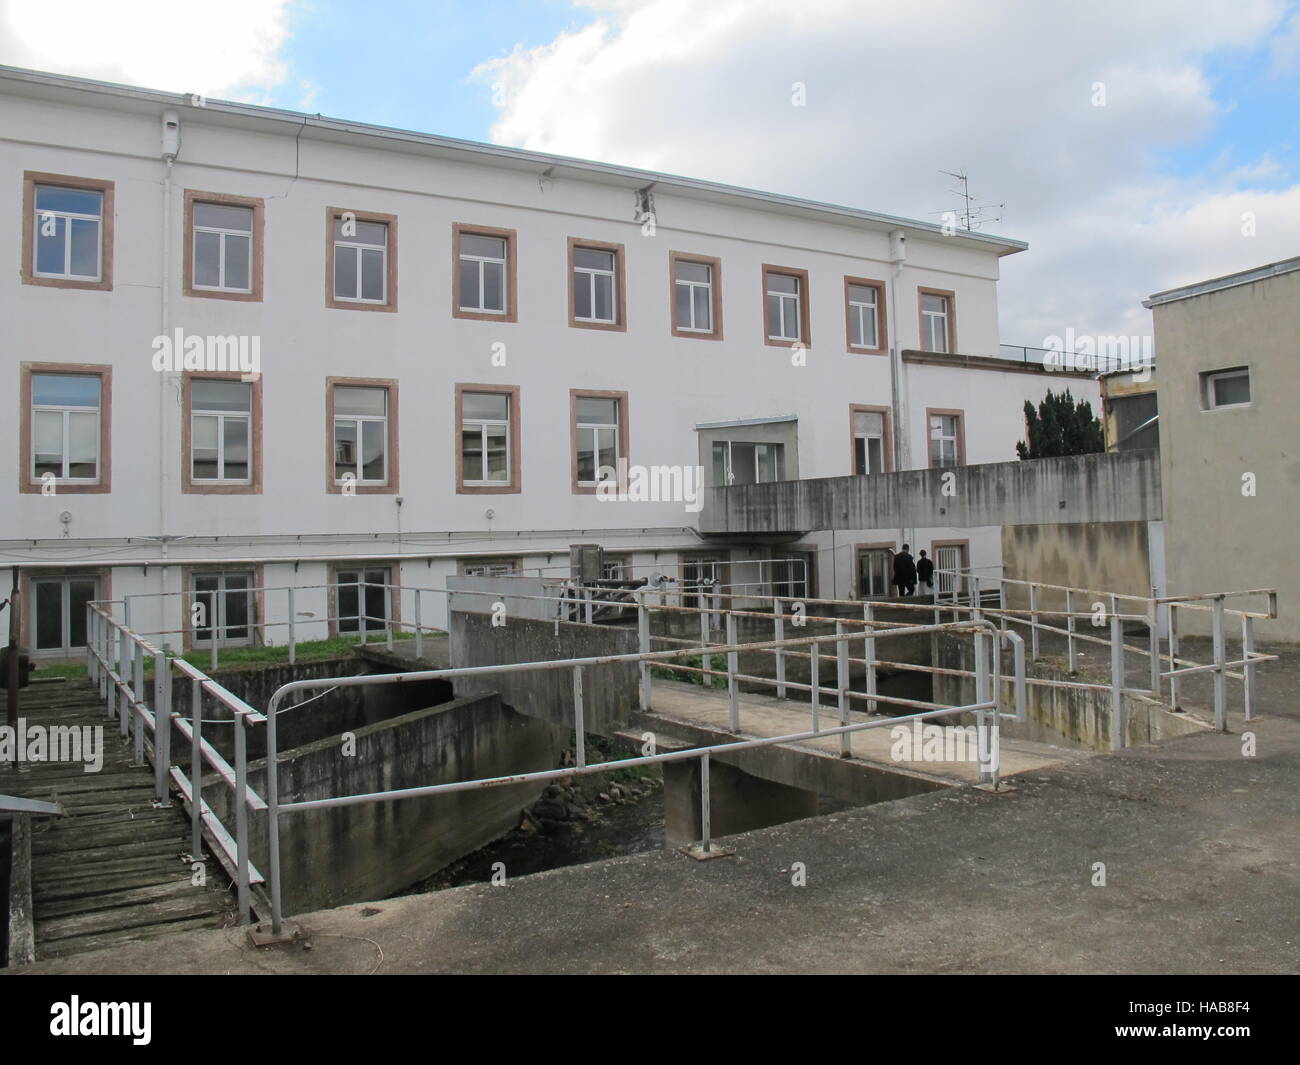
x: 117, y: 867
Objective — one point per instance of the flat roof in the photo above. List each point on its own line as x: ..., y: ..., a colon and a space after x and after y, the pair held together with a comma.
x: 1245, y: 277
x: 68, y: 89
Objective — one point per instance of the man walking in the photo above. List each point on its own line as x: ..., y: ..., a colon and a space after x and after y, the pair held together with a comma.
x: 905, y: 572
x: 925, y: 574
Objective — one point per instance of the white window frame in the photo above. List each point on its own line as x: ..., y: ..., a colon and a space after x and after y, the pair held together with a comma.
x: 729, y: 467
x: 358, y: 247
x: 508, y: 568
x: 691, y: 286
x: 482, y: 260
x: 1207, y: 388
x: 592, y: 273
x: 67, y: 412
x: 930, y: 318
x: 782, y: 299
x: 64, y: 580
x: 222, y: 232
x: 866, y: 450
x: 364, y: 622
x: 583, y: 428
x: 68, y: 217
x: 483, y: 425
x: 943, y: 439
x: 222, y: 417
x: 358, y: 420
x: 876, y: 554
x: 219, y: 624
x: 857, y: 311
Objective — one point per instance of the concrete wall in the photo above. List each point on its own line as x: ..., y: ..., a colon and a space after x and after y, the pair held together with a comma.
x: 1217, y: 538
x: 610, y: 692
x: 1110, y: 556
x: 1081, y: 488
x: 354, y: 853
x: 1075, y: 717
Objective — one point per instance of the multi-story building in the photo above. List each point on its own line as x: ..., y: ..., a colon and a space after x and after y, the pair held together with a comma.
x: 1228, y: 389
x: 252, y: 348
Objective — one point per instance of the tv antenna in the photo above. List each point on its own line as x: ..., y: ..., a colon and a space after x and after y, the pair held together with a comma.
x: 971, y: 215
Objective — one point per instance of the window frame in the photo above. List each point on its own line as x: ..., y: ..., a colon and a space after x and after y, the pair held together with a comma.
x: 514, y: 483
x: 391, y: 464
x: 515, y: 562
x: 621, y: 435
x: 880, y: 545
x: 257, y: 238
x: 29, y: 276
x: 951, y: 318
x: 618, y: 288
x: 510, y: 274
x: 191, y: 485
x: 729, y: 465
x: 333, y: 214
x: 953, y: 412
x: 26, y: 423
x: 715, y: 295
x: 29, y: 620
x: 1206, y: 380
x: 882, y: 324
x: 392, y: 601
x: 887, y: 437
x: 804, y: 315
x: 963, y: 563
x: 256, y: 600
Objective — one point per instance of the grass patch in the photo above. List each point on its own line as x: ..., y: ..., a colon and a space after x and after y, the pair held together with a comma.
x: 718, y: 662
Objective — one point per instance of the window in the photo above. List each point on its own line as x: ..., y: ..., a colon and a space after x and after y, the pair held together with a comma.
x: 363, y: 256
x: 947, y: 437
x: 871, y: 443
x: 223, y: 437
x: 223, y: 246
x: 938, y: 329
x: 66, y: 429
x: 58, y: 611
x: 875, y: 570
x: 599, y: 436
x: 696, y: 296
x: 865, y: 308
x: 487, y: 459
x: 596, y: 285
x: 616, y: 568
x: 362, y: 420
x: 785, y: 306
x: 739, y: 462
x: 1225, y: 388
x: 491, y: 567
x: 225, y: 608
x: 951, y: 560
x: 67, y: 231
x: 702, y: 575
x: 484, y: 273
x: 363, y: 598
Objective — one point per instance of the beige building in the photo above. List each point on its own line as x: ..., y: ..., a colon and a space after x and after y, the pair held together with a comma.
x: 1229, y: 389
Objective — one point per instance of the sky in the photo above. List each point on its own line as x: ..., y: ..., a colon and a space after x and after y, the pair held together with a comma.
x: 1135, y: 144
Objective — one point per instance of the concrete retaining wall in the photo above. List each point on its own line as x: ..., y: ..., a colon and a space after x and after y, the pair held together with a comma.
x: 1112, y: 556
x: 353, y: 853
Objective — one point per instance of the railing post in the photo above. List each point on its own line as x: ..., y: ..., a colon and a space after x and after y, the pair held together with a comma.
x: 216, y: 626
x: 1002, y: 604
x: 733, y: 658
x: 419, y: 625
x: 1248, y: 689
x: 1173, y: 654
x: 579, y: 721
x: 1119, y: 729
x: 982, y: 715
x: 273, y: 817
x: 705, y: 813
x: 1153, y: 643
x: 842, y: 686
x: 196, y: 769
x: 1220, y: 670
x: 126, y: 611
x: 778, y: 634
x: 976, y: 599
x: 90, y: 645
x: 1033, y: 621
x: 1069, y: 625
x: 643, y: 644
x: 869, y: 653
x: 137, y: 694
x: 389, y: 590
x: 124, y: 682
x: 293, y: 646
x: 241, y: 815
x: 706, y: 631
x: 815, y: 684
x: 162, y: 724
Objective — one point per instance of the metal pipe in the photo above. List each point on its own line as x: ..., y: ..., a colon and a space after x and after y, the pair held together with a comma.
x: 778, y: 634
x: 842, y: 686
x: 241, y: 817
x: 579, y: 722
x: 196, y: 769
x: 706, y: 813
x: 733, y: 695
x: 1119, y: 730
x: 1249, y: 693
x: 1220, y: 680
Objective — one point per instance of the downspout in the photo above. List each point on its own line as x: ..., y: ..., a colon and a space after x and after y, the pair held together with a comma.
x: 902, y: 446
x: 171, y: 145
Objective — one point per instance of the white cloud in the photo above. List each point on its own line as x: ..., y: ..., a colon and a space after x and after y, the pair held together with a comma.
x: 231, y: 50
x: 898, y: 91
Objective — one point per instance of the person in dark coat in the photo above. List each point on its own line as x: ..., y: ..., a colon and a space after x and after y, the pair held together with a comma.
x: 925, y: 574
x: 905, y: 572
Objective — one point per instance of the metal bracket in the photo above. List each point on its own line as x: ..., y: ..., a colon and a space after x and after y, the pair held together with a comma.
x: 696, y: 851
x: 260, y: 935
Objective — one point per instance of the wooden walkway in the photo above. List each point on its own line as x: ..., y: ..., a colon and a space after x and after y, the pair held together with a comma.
x: 116, y: 868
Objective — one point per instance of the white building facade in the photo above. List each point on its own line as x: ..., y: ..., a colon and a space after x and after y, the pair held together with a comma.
x: 441, y: 343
